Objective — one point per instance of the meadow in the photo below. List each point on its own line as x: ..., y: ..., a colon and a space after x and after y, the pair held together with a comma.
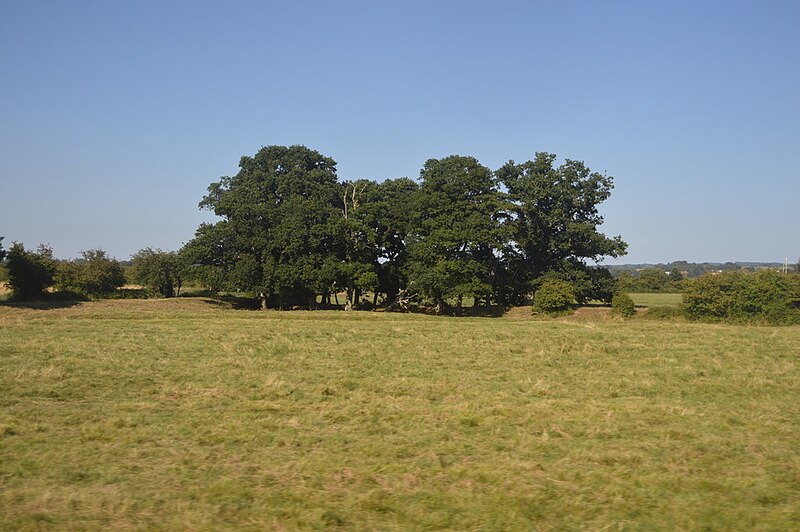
x: 186, y: 413
x: 656, y: 300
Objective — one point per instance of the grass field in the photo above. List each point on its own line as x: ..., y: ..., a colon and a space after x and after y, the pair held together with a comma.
x: 656, y: 300
x: 186, y: 414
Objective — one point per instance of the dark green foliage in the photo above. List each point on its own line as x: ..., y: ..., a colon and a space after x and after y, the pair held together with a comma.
x: 280, y: 214
x: 555, y: 215
x: 161, y: 271
x: 30, y: 273
x: 762, y: 297
x: 211, y: 257
x: 291, y: 233
x: 3, y: 271
x: 95, y: 275
x: 651, y: 281
x: 554, y: 296
x: 622, y: 305
x: 589, y: 283
x: 457, y: 231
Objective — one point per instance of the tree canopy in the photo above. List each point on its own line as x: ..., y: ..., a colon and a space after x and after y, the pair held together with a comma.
x: 294, y: 234
x: 30, y: 273
x: 94, y: 274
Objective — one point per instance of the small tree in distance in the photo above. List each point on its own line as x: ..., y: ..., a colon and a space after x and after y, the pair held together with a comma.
x: 160, y: 271
x: 95, y: 275
x: 30, y: 273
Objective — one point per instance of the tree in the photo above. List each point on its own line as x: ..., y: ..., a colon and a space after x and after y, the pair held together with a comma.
x: 653, y: 280
x: 359, y: 240
x: 390, y: 213
x: 2, y: 251
x: 278, y: 210
x: 30, y: 273
x: 555, y: 216
x: 211, y: 256
x: 457, y: 231
x: 96, y: 274
x: 161, y: 271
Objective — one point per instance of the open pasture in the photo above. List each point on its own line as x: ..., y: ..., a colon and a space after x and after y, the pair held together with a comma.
x: 166, y: 414
x: 656, y: 300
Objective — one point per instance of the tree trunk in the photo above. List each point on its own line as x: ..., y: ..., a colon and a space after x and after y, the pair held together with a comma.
x: 263, y: 298
x: 350, y: 293
x: 375, y: 300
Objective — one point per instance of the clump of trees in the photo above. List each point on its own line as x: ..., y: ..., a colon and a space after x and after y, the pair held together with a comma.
x: 651, y: 280
x: 163, y: 272
x: 766, y: 297
x: 95, y: 274
x: 30, y: 274
x: 292, y: 233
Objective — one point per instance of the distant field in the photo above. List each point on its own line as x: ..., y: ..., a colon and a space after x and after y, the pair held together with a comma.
x: 186, y: 414
x: 656, y: 300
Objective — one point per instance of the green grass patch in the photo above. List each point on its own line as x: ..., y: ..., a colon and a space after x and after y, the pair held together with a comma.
x: 656, y: 300
x: 176, y: 414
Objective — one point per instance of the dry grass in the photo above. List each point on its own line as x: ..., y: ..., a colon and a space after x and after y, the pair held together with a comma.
x: 187, y: 414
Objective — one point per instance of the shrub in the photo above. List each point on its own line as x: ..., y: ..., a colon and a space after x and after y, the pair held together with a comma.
x: 622, y: 305
x: 30, y: 273
x: 762, y: 297
x: 95, y: 275
x: 554, y: 297
x: 161, y: 271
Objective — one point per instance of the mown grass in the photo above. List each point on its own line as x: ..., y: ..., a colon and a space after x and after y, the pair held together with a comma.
x: 186, y: 414
x: 656, y: 300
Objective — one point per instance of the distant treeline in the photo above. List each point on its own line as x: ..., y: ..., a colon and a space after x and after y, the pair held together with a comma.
x: 695, y: 269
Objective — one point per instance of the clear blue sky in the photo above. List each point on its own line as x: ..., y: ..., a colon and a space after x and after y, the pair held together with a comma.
x: 116, y: 116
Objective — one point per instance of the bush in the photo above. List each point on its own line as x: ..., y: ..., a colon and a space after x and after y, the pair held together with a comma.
x: 622, y: 305
x: 588, y: 283
x: 30, y: 273
x: 161, y: 271
x: 95, y: 275
x: 554, y: 297
x: 762, y: 297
